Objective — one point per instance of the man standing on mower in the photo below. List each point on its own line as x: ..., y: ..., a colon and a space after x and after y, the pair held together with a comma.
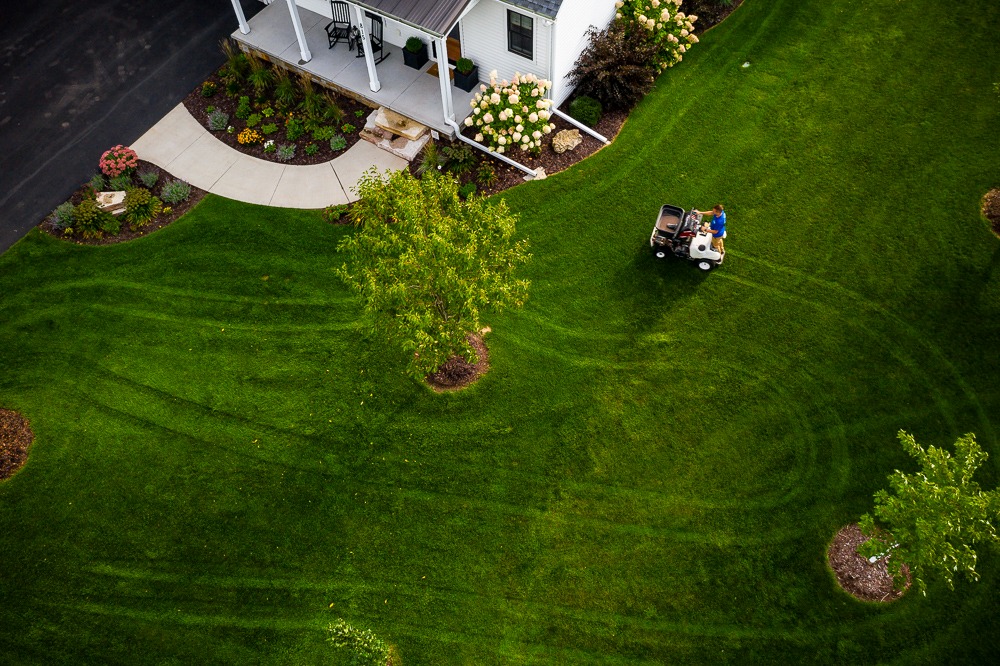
x: 717, y: 226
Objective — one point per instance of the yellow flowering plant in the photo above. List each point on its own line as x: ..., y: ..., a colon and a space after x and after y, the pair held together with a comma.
x: 663, y: 23
x: 249, y: 136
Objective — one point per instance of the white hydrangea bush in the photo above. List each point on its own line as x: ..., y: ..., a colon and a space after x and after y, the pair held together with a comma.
x: 513, y: 115
x: 667, y: 26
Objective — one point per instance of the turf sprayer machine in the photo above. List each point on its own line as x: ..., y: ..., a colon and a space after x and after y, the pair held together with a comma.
x: 679, y: 234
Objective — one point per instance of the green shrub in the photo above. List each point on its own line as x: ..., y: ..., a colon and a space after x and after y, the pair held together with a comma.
x: 111, y: 224
x: 347, y: 128
x: 269, y: 128
x: 311, y: 149
x: 338, y: 142
x: 175, y: 191
x: 464, y: 65
x: 413, y: 44
x: 243, y: 109
x: 218, y: 121
x: 359, y: 113
x: 294, y: 128
x: 586, y: 109
x: 98, y: 182
x: 118, y: 183
x: 141, y: 207
x: 233, y: 88
x: 323, y: 133
x: 332, y: 214
x: 467, y: 190
x: 62, y: 217
x: 253, y: 120
x: 616, y: 68
x: 486, y: 176
x: 208, y: 89
x: 363, y: 646
x: 89, y: 220
x: 149, y: 178
x: 285, y: 152
x: 459, y: 158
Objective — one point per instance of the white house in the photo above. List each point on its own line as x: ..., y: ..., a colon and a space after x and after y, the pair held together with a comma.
x: 543, y: 37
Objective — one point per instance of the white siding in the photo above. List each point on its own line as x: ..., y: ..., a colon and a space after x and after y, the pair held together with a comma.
x: 484, y: 41
x: 574, y: 17
x: 395, y: 33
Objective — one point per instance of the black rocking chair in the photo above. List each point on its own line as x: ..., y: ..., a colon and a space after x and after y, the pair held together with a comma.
x: 375, y: 37
x: 339, y: 29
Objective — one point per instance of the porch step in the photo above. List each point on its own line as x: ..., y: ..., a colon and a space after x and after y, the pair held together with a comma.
x: 397, y: 134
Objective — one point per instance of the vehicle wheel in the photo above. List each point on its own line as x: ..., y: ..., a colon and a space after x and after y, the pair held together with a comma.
x: 660, y: 254
x: 705, y: 265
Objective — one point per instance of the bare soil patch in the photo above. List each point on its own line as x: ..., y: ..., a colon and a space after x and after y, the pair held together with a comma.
x: 126, y: 233
x: 856, y: 575
x: 457, y: 373
x: 15, y: 440
x: 991, y: 209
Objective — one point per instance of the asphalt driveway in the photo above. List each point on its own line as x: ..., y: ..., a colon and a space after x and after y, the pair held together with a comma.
x: 79, y: 77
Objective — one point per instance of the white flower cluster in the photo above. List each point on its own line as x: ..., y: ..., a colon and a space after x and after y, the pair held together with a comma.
x: 669, y: 28
x: 511, y: 115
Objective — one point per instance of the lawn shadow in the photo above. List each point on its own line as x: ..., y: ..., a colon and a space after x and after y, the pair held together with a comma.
x: 651, y: 285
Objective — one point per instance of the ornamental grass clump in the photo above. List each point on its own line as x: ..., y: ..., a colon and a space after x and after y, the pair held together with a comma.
x: 117, y: 161
x: 659, y: 22
x: 512, y: 115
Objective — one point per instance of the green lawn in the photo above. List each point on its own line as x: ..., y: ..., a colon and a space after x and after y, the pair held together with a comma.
x: 650, y: 473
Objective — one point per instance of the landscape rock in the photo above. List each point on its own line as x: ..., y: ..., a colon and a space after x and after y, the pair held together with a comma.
x: 566, y: 140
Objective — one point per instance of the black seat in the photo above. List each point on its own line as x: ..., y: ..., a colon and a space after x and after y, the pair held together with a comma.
x: 375, y: 37
x: 339, y: 29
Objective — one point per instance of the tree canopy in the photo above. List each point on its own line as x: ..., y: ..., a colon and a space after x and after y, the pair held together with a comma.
x: 428, y: 265
x: 934, y: 517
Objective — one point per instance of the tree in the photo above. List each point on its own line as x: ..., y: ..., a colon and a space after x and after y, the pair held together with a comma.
x: 934, y: 517
x: 428, y: 265
x: 617, y: 68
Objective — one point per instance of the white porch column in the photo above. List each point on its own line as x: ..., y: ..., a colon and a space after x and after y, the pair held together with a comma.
x: 373, y: 81
x: 300, y: 35
x: 244, y: 26
x: 444, y: 79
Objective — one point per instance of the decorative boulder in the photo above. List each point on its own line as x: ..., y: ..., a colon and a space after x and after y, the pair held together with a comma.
x: 566, y: 140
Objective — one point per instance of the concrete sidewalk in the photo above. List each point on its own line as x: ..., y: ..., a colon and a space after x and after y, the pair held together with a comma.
x: 182, y: 146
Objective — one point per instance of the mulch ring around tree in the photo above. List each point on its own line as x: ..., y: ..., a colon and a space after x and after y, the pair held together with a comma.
x: 126, y: 233
x: 457, y: 373
x: 15, y: 439
x: 991, y: 209
x: 856, y: 575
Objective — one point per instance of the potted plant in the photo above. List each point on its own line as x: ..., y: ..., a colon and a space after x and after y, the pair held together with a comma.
x: 415, y: 53
x: 466, y: 74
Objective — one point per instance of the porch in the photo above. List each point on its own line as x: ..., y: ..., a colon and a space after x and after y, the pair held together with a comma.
x: 407, y: 91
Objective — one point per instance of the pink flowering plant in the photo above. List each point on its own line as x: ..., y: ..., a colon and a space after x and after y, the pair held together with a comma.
x: 118, y: 160
x: 512, y: 115
x: 663, y: 23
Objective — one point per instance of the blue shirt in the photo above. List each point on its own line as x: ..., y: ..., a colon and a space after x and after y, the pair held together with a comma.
x: 718, y: 224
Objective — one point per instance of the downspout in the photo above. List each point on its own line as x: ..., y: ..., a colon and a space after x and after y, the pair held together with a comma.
x: 552, y: 53
x: 241, y: 17
x: 300, y: 34
x: 576, y: 123
x: 479, y: 146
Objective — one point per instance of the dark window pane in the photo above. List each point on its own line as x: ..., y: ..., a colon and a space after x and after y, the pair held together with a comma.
x: 520, y: 34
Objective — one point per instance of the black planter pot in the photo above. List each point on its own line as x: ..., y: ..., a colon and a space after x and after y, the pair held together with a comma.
x: 467, y: 81
x: 417, y: 59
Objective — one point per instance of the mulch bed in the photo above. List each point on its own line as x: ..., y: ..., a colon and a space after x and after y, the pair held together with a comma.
x: 197, y: 105
x: 457, y: 373
x: 126, y: 233
x: 15, y: 440
x: 991, y: 209
x: 857, y: 576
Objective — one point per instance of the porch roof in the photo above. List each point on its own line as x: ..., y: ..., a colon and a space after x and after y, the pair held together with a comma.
x: 433, y: 16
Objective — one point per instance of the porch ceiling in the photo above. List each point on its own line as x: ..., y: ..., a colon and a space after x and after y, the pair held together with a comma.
x: 433, y: 16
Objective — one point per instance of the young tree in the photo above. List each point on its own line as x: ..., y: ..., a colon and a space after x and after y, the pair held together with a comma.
x: 934, y: 517
x: 428, y: 265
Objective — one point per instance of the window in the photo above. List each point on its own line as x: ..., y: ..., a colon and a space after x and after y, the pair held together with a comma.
x: 520, y: 34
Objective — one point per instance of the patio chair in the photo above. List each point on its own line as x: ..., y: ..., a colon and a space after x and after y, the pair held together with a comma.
x: 339, y: 29
x: 375, y: 37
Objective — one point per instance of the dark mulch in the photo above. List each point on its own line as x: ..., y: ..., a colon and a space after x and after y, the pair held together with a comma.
x: 991, y: 209
x: 858, y: 577
x: 457, y: 373
x: 15, y: 440
x: 197, y: 105
x: 709, y: 12
x: 126, y: 233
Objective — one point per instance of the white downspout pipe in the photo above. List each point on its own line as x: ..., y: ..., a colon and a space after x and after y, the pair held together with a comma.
x: 241, y: 17
x: 478, y: 146
x: 300, y: 34
x: 573, y: 121
x: 373, y: 83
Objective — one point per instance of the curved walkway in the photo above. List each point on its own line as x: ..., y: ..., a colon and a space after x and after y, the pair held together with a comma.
x: 182, y: 146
